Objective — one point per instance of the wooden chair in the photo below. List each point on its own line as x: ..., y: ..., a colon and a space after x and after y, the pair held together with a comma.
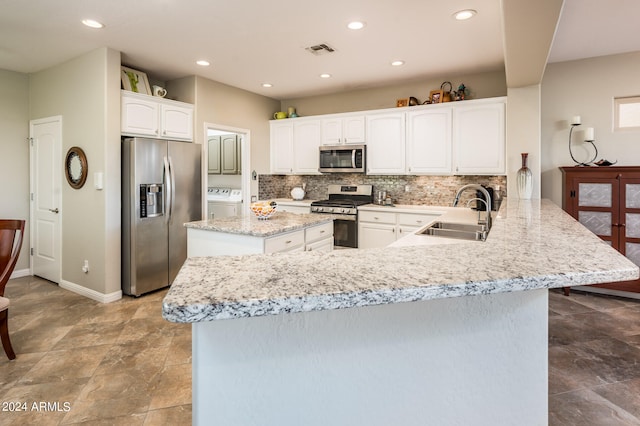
x: 11, y: 233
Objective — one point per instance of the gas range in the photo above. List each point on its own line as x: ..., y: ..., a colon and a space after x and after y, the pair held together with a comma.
x: 343, y: 202
x: 344, y: 199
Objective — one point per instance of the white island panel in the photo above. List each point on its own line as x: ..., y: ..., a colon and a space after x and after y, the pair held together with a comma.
x: 479, y: 360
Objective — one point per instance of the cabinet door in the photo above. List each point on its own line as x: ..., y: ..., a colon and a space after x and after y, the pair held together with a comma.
x: 229, y: 156
x: 596, y: 206
x: 139, y: 117
x: 331, y: 131
x: 321, y: 246
x: 307, y: 137
x: 429, y: 141
x: 386, y: 144
x: 629, y: 243
x: 213, y: 155
x: 177, y: 122
x: 374, y: 235
x: 353, y: 129
x: 479, y: 139
x: 281, y: 147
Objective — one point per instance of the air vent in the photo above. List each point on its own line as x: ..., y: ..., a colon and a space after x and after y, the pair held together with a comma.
x: 320, y: 49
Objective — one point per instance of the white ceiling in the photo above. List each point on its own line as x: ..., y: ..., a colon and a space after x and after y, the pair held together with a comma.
x: 249, y: 42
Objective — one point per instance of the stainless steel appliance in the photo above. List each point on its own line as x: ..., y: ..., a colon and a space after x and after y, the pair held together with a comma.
x: 161, y: 190
x: 342, y: 158
x: 343, y: 202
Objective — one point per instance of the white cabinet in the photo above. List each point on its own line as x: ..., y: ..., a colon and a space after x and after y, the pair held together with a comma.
x: 381, y: 228
x: 294, y: 146
x: 293, y: 209
x: 386, y: 144
x: 319, y: 237
x: 281, y: 147
x: 143, y: 115
x: 343, y: 130
x: 306, y: 139
x: 479, y: 138
x: 291, y: 241
x: 429, y: 141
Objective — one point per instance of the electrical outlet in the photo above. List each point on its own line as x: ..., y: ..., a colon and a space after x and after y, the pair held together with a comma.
x: 407, y: 188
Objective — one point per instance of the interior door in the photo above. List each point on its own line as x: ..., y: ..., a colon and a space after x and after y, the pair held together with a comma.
x: 46, y: 194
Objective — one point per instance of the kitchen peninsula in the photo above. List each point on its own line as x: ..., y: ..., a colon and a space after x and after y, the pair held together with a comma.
x: 410, y: 335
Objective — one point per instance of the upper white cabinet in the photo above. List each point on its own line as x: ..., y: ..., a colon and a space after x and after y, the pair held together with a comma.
x: 143, y: 115
x: 343, y: 130
x: 479, y: 138
x: 386, y: 143
x: 429, y: 141
x: 294, y: 146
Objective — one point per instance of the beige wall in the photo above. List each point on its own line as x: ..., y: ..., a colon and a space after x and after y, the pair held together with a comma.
x: 85, y: 91
x: 481, y: 85
x: 14, y: 157
x: 586, y: 88
x: 225, y: 105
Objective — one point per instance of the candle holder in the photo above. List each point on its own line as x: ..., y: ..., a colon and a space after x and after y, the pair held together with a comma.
x: 575, y: 122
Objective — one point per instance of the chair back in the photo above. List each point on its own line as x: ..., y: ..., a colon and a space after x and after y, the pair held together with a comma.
x: 11, y: 233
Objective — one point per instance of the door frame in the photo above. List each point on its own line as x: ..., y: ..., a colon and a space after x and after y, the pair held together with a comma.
x: 245, y: 134
x: 32, y: 193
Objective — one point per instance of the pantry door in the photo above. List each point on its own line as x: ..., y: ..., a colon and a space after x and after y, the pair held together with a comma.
x: 46, y: 196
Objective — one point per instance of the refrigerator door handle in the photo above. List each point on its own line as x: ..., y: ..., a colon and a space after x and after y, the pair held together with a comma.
x: 172, y: 189
x: 168, y: 190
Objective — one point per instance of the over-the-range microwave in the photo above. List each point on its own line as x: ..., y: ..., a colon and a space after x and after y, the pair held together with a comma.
x: 342, y: 158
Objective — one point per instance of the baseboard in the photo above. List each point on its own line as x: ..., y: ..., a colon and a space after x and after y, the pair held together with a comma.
x: 91, y: 294
x: 20, y: 273
x: 607, y: 291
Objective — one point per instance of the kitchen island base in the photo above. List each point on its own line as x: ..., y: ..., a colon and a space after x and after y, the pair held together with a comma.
x: 478, y: 360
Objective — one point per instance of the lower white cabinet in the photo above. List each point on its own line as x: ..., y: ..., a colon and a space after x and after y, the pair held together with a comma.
x: 285, y: 242
x: 381, y: 228
x: 319, y: 237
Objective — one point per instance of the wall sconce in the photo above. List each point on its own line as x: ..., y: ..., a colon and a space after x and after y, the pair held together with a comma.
x: 588, y: 137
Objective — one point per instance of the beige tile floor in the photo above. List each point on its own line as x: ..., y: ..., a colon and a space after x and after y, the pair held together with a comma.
x: 122, y: 364
x: 113, y: 364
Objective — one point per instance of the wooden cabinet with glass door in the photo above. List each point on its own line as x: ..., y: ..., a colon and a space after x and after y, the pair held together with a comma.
x: 606, y: 200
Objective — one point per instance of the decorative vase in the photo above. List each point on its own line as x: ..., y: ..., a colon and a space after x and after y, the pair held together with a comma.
x: 524, y: 179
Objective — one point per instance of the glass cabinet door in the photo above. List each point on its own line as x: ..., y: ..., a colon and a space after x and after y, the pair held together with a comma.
x: 630, y: 219
x: 597, y: 207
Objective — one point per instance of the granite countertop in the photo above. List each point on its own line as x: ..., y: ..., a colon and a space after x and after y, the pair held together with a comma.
x: 279, y: 223
x: 533, y: 244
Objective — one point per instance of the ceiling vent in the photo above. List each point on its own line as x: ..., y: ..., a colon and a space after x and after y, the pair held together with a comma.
x: 320, y: 49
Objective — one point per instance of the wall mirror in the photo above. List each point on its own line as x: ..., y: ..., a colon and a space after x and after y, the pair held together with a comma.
x: 76, y: 167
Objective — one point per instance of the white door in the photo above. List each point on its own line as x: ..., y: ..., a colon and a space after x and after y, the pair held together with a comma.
x: 46, y: 203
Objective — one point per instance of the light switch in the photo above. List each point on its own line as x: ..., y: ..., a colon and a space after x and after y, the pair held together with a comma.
x: 98, y: 180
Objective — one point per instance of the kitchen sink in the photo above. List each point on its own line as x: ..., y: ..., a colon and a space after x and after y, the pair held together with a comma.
x: 462, y: 231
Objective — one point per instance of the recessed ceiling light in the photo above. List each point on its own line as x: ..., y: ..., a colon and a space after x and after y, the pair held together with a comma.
x: 356, y: 25
x: 462, y: 15
x: 397, y: 63
x: 325, y: 75
x: 267, y: 85
x: 203, y: 63
x: 92, y: 23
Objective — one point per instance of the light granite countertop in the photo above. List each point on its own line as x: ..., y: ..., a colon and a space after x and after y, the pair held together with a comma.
x: 532, y: 244
x: 279, y: 223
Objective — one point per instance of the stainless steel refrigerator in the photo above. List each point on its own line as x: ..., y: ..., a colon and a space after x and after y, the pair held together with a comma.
x: 161, y: 190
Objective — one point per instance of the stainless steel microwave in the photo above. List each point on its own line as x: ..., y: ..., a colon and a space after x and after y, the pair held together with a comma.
x: 342, y: 158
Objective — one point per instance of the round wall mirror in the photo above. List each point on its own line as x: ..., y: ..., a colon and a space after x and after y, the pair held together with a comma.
x: 76, y: 167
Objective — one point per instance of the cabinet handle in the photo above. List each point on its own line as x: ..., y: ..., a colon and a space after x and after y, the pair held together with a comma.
x: 376, y: 218
x: 323, y: 231
x: 288, y: 242
x: 418, y: 221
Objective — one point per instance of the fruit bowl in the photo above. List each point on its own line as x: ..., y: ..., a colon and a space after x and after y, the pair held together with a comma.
x: 263, y: 209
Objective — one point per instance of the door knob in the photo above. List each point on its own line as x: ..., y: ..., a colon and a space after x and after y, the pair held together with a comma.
x: 56, y: 211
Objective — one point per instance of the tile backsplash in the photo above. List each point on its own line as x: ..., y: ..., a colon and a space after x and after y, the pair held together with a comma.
x: 426, y: 190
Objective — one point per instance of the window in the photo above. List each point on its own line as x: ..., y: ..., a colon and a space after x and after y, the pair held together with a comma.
x: 626, y: 113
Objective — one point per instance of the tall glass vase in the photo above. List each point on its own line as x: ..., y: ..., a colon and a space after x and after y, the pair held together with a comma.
x: 524, y: 179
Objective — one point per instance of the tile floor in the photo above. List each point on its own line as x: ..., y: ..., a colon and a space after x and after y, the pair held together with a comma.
x: 122, y: 364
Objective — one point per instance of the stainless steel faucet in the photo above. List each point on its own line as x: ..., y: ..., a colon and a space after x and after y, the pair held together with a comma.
x: 487, y: 203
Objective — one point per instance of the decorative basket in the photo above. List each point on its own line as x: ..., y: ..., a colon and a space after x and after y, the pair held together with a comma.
x: 263, y: 209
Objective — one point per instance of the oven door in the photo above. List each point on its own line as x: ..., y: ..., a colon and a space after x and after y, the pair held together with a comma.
x: 342, y: 159
x: 345, y: 232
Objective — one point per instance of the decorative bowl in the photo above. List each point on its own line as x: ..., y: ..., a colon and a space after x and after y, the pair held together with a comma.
x: 263, y: 209
x: 297, y: 193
